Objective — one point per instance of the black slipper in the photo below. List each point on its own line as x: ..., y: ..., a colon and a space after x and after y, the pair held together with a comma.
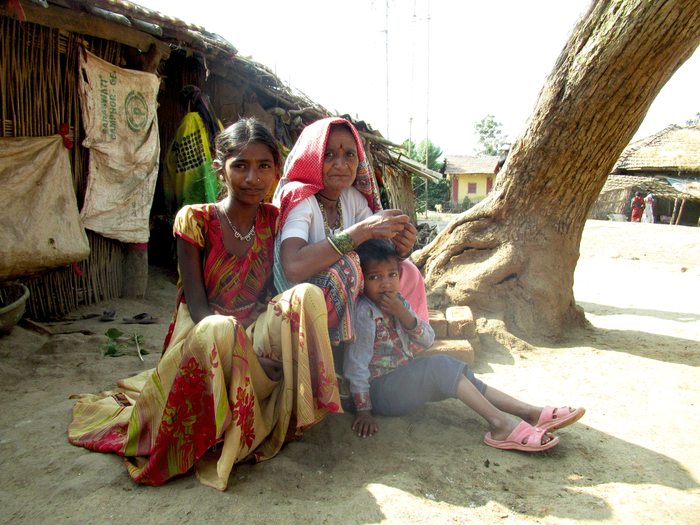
x: 143, y: 318
x: 108, y: 315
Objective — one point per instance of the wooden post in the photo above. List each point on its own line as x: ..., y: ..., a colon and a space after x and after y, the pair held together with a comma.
x: 680, y: 212
x: 675, y: 209
x: 135, y: 271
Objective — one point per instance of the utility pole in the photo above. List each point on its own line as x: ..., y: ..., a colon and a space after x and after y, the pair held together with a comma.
x: 413, y: 70
x: 387, y: 68
x: 427, y: 115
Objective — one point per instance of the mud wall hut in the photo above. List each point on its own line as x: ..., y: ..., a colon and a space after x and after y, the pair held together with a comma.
x: 667, y: 165
x: 42, y: 45
x: 616, y: 199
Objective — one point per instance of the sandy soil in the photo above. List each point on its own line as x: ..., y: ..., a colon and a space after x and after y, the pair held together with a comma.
x: 632, y: 459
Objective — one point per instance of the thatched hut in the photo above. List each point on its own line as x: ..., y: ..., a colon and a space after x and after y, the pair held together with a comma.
x: 667, y: 165
x: 40, y: 57
x: 670, y: 205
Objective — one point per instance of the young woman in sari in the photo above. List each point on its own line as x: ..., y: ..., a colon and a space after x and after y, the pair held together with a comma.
x: 235, y: 372
x: 638, y: 206
x: 329, y: 205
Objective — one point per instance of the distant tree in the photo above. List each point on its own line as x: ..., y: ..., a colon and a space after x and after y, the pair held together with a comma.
x: 418, y: 153
x: 693, y: 121
x: 490, y: 140
x: 438, y: 193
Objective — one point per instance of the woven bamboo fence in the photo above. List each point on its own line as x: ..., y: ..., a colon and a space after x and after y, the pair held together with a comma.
x: 39, y: 92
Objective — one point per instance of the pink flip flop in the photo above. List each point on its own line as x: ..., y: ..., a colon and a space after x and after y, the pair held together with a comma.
x: 516, y: 440
x: 563, y: 417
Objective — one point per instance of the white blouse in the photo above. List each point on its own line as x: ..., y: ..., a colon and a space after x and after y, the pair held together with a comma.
x: 305, y: 221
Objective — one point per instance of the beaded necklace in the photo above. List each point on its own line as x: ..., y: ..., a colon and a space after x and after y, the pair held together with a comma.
x: 338, y: 220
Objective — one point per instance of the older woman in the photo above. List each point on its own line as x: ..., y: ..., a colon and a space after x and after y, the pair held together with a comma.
x: 329, y: 205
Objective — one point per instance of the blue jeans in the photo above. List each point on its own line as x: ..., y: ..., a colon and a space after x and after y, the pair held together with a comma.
x: 421, y: 381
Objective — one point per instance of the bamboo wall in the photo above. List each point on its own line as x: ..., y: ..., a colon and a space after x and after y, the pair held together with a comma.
x: 615, y: 201
x: 39, y: 92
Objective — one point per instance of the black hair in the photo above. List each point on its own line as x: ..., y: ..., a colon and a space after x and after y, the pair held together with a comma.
x: 198, y: 101
x: 376, y: 250
x: 237, y: 136
x: 340, y: 125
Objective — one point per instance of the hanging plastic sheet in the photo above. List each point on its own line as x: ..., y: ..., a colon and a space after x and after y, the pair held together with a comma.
x: 189, y: 176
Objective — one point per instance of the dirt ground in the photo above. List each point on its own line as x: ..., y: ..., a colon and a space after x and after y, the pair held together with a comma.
x: 632, y: 459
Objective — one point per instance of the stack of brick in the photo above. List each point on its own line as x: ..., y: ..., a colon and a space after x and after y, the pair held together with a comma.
x: 455, y: 334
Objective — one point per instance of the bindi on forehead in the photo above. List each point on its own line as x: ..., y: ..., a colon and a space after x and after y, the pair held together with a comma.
x: 342, y: 147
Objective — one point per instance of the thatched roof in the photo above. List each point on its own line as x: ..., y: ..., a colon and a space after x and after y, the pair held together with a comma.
x: 659, y: 187
x: 141, y: 28
x: 673, y: 149
x: 415, y: 168
x: 470, y: 165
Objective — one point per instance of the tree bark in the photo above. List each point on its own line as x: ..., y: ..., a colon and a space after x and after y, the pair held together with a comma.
x: 513, y: 256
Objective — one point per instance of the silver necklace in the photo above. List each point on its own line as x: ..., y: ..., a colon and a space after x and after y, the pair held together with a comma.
x: 236, y: 233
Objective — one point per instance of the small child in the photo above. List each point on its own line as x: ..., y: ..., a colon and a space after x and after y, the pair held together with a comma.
x: 385, y: 378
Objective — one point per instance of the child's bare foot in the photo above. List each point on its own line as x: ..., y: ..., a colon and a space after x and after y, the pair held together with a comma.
x: 523, y: 437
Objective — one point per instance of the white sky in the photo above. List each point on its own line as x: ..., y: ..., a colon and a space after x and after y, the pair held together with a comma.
x: 486, y: 57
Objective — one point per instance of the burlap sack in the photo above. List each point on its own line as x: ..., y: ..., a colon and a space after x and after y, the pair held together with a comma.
x: 121, y: 128
x: 38, y: 209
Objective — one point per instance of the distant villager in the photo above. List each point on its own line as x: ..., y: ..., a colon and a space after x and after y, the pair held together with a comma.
x: 648, y: 215
x: 637, y: 207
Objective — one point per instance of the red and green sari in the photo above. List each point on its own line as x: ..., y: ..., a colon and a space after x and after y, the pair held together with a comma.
x: 234, y: 286
x: 209, y: 387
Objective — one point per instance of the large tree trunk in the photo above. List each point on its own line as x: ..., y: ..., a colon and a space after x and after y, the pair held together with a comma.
x: 513, y: 256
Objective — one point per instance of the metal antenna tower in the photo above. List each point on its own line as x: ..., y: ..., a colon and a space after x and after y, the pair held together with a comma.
x: 387, y: 68
x: 427, y: 112
x: 413, y: 70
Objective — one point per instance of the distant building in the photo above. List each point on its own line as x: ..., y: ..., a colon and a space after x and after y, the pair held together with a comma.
x: 666, y: 165
x: 470, y: 176
x: 672, y: 152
